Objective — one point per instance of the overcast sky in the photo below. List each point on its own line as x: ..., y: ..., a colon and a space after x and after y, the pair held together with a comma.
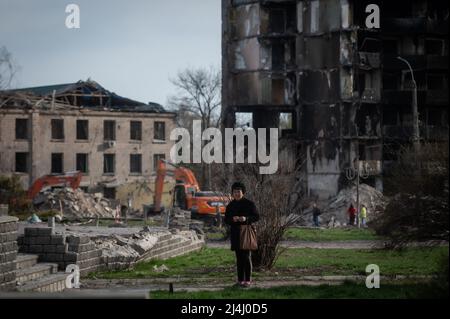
x: 130, y: 47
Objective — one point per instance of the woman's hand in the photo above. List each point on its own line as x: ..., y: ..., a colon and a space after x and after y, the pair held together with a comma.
x: 239, y: 219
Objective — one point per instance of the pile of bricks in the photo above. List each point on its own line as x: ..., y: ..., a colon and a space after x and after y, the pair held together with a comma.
x: 8, y: 252
x: 75, y: 203
x: 60, y: 249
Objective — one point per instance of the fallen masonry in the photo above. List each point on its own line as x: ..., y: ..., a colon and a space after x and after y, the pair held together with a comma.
x: 335, y: 210
x: 97, y: 249
x: 74, y: 203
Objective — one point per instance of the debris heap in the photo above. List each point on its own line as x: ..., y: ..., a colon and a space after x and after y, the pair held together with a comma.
x: 336, y: 209
x: 74, y: 203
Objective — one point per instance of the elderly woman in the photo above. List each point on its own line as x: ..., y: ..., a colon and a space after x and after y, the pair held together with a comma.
x: 240, y: 211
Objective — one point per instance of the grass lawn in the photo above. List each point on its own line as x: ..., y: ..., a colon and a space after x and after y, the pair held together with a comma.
x: 346, y: 291
x: 334, y: 234
x: 220, y: 263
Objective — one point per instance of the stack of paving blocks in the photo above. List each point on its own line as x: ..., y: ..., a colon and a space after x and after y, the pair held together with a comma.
x: 60, y: 249
x: 8, y: 252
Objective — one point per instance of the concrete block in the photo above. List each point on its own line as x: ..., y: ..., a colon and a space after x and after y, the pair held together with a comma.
x: 35, y: 249
x: 54, y: 257
x: 62, y: 248
x: 58, y: 240
x: 76, y: 240
x: 49, y: 248
x: 31, y: 231
x: 44, y: 231
x: 42, y: 240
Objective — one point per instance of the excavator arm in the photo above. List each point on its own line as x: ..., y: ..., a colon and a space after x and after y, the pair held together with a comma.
x: 181, y: 174
x: 72, y: 180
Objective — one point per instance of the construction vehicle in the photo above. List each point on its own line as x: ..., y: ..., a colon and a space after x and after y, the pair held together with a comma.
x: 70, y: 179
x: 186, y: 193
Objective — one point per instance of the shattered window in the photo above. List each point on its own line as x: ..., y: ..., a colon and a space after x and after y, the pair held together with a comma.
x: 82, y: 163
x: 314, y: 16
x: 278, y: 91
x: 156, y: 159
x: 136, y: 163
x: 21, y: 129
x: 82, y: 129
x: 21, y: 162
x: 278, y: 60
x: 160, y: 131
x: 57, y: 129
x: 136, y: 130
x: 277, y: 19
x: 109, y: 130
x: 434, y: 46
x: 57, y: 163
x: 285, y: 122
x: 108, y: 163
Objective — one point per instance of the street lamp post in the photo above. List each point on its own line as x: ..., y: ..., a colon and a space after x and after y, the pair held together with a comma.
x: 355, y: 173
x: 416, y: 133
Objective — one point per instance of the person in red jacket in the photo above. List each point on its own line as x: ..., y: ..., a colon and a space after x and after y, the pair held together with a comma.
x: 351, y: 214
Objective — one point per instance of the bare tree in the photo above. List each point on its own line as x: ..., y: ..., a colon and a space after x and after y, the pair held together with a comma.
x: 278, y: 207
x: 198, y: 97
x: 7, y: 68
x: 199, y: 93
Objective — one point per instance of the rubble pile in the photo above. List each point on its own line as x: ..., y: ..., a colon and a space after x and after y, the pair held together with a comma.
x: 335, y: 211
x: 181, y: 220
x: 75, y: 203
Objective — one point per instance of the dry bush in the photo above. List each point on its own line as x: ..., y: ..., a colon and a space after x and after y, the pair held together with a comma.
x: 419, y: 210
x: 274, y: 200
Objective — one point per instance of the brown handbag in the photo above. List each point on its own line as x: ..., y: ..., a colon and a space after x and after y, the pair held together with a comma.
x: 248, y: 239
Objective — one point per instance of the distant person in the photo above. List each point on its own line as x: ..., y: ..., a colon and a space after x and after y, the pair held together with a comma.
x: 316, y: 213
x: 351, y: 214
x: 363, y: 215
x: 240, y: 211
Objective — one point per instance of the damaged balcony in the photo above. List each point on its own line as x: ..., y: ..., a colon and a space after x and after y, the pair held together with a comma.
x: 263, y: 89
x: 278, y: 19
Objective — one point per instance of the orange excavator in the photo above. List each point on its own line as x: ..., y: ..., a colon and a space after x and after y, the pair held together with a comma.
x: 72, y: 179
x: 186, y: 193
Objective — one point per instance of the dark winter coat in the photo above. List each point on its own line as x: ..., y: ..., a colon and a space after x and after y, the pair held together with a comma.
x: 316, y: 212
x: 242, y: 207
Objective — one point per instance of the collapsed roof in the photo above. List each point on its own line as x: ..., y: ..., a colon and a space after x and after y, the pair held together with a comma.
x: 82, y: 94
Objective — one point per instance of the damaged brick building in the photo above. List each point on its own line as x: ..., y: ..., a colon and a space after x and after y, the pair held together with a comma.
x: 81, y: 127
x: 342, y: 85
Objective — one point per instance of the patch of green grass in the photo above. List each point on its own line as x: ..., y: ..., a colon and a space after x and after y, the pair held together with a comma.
x: 207, y: 261
x: 220, y: 263
x: 215, y: 235
x: 411, y: 261
x: 344, y: 291
x: 334, y: 234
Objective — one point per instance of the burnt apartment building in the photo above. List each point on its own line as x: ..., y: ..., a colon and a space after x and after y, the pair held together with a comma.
x: 83, y: 127
x: 344, y: 88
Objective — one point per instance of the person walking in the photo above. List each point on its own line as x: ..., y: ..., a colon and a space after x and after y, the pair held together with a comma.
x: 240, y: 211
x: 316, y: 213
x: 363, y: 215
x: 352, y: 214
